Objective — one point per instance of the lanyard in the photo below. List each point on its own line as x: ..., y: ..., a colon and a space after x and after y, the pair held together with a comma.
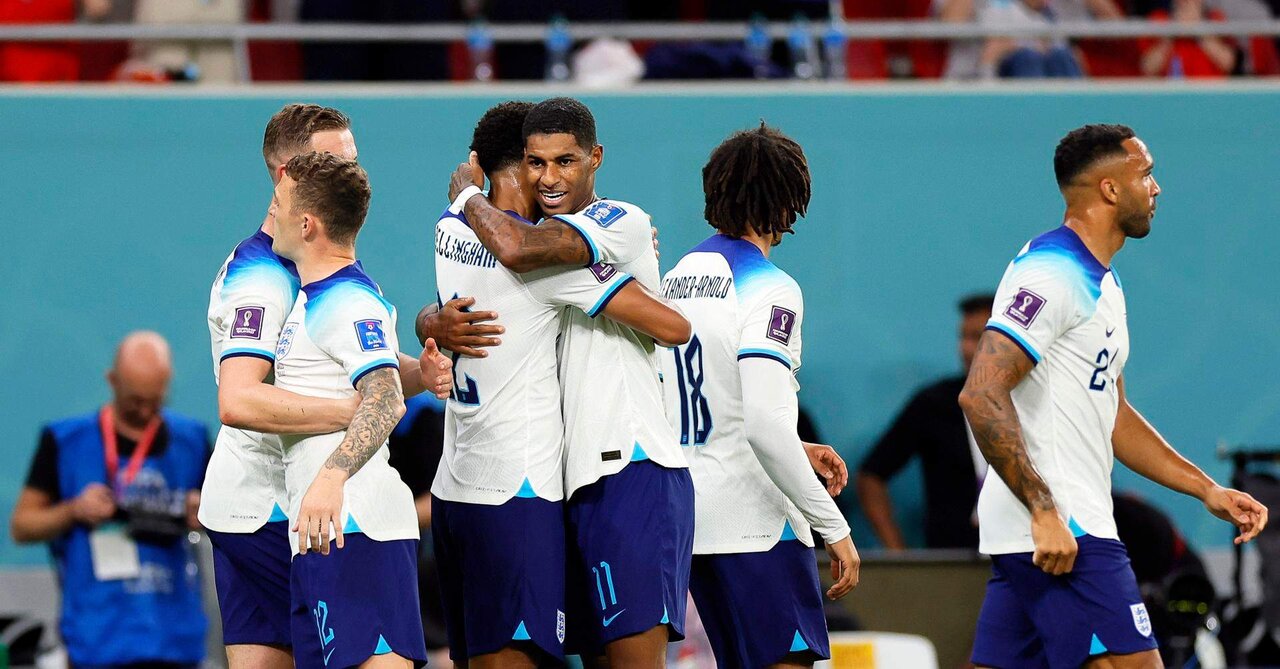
x: 107, y: 420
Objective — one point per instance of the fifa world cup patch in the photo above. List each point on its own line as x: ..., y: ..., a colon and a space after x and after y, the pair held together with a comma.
x: 781, y: 322
x: 1025, y: 307
x: 603, y: 272
x: 1141, y: 620
x: 604, y: 213
x: 247, y: 323
x: 370, y: 335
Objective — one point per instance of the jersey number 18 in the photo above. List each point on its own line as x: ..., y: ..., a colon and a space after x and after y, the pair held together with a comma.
x: 695, y: 415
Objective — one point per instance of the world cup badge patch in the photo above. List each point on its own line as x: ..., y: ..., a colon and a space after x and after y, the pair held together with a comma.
x: 602, y: 271
x: 247, y: 323
x: 1141, y: 620
x: 1025, y: 307
x: 781, y: 322
x: 370, y: 335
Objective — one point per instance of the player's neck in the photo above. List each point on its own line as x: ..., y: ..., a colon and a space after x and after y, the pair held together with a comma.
x: 765, y: 245
x: 1099, y: 233
x: 319, y: 263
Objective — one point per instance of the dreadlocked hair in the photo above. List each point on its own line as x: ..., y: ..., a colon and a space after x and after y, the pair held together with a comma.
x: 757, y: 180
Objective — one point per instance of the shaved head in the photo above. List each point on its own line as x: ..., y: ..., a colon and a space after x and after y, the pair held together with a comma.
x: 139, y: 378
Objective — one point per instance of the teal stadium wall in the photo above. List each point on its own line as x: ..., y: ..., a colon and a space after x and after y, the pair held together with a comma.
x: 118, y: 210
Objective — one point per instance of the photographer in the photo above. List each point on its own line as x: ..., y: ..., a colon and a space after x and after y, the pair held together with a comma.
x: 114, y: 493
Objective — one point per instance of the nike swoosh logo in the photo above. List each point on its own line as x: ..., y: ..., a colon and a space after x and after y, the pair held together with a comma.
x: 1110, y: 331
x: 608, y: 620
x: 328, y: 655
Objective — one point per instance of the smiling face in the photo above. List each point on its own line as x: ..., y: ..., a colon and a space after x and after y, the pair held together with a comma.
x: 561, y: 172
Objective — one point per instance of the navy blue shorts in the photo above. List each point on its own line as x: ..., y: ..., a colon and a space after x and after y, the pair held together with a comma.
x: 759, y: 608
x: 252, y: 575
x: 501, y: 574
x: 1032, y: 619
x: 630, y: 545
x: 356, y: 602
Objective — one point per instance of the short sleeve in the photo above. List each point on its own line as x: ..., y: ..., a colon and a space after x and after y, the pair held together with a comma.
x: 771, y: 325
x: 1036, y: 303
x: 43, y: 475
x: 616, y: 232
x: 359, y: 332
x: 256, y: 300
x: 589, y: 289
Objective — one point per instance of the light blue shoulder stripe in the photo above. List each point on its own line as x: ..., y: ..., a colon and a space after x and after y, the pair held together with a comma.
x: 764, y: 353
x: 609, y: 293
x: 248, y: 350
x: 382, y: 362
x: 1017, y: 339
x: 586, y: 236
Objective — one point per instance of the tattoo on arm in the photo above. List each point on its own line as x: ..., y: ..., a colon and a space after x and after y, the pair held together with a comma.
x: 522, y: 247
x: 999, y: 366
x: 381, y: 405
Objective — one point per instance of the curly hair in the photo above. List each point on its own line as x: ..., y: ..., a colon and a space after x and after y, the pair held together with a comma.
x: 757, y: 180
x: 333, y: 188
x: 289, y: 131
x: 562, y: 115
x: 1083, y: 147
x: 498, y: 139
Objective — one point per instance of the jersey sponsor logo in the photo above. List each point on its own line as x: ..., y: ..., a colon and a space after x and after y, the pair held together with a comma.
x: 1141, y: 620
x: 369, y: 333
x: 781, y: 322
x: 247, y: 323
x: 1025, y: 307
x: 559, y: 625
x: 604, y: 214
x: 603, y: 272
x: 286, y: 340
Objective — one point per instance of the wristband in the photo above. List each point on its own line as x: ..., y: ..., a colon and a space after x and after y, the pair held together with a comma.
x: 462, y: 198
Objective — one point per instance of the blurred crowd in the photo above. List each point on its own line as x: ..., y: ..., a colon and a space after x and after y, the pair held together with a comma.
x: 812, y: 49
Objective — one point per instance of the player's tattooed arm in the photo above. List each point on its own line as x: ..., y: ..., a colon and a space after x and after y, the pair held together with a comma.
x: 381, y: 406
x: 520, y: 247
x: 998, y: 367
x: 320, y: 512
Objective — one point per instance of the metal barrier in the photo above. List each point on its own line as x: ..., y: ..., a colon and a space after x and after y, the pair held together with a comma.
x: 240, y: 34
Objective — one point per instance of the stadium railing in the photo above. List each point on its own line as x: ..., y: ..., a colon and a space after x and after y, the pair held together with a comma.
x: 241, y: 34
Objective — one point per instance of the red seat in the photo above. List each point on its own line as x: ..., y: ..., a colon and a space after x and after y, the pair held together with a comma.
x: 867, y: 59
x: 928, y: 57
x: 1266, y: 58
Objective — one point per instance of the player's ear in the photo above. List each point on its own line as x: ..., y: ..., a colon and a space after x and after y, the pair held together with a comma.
x: 1110, y: 192
x: 597, y: 156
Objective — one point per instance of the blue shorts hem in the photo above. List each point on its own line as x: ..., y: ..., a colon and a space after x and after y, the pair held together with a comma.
x: 251, y: 574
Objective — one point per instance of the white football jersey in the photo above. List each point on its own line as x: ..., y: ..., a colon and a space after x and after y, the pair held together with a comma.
x: 504, y: 434
x: 340, y: 329
x: 609, y: 373
x: 1067, y: 313
x: 741, y: 306
x: 250, y: 299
